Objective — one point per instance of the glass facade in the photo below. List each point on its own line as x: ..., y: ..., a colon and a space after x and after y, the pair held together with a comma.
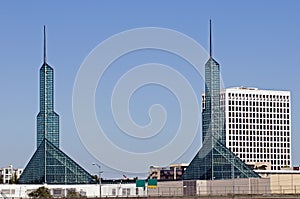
x: 52, y: 166
x: 49, y: 164
x: 215, y: 161
x: 47, y: 119
x: 212, y: 122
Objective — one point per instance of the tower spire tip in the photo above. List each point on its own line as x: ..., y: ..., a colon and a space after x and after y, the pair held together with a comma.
x: 210, y: 39
x: 44, y: 44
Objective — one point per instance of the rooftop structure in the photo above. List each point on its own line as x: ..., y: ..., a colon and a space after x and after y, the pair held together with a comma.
x: 172, y: 172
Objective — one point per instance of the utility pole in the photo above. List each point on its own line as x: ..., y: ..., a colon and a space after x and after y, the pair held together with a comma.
x: 232, y: 177
x: 99, y: 167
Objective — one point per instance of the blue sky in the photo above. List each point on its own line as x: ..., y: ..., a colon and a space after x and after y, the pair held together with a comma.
x: 256, y: 43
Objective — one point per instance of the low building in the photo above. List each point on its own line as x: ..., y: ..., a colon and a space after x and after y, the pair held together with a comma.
x: 172, y: 172
x: 268, y: 173
x: 260, y: 165
x: 10, y: 175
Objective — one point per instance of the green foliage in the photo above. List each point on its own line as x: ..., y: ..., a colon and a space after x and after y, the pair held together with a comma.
x: 14, y: 179
x: 73, y: 194
x: 41, y: 192
x: 96, y: 178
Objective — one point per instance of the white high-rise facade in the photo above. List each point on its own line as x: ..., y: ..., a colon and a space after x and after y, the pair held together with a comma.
x: 258, y: 125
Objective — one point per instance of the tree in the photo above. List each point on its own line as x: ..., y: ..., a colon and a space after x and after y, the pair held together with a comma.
x: 73, y: 194
x: 41, y: 192
x: 96, y: 178
x: 13, y: 179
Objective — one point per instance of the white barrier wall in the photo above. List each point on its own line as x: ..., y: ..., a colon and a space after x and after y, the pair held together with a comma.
x: 107, y: 190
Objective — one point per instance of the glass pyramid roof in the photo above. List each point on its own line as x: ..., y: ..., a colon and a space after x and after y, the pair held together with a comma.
x: 52, y: 166
x: 215, y: 161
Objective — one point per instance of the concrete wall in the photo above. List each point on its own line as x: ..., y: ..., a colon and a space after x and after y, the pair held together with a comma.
x: 285, y: 183
x: 214, y: 187
x: 274, y: 184
x: 236, y: 186
x: 167, y: 188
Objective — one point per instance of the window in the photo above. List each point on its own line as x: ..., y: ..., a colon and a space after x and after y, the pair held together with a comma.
x: 124, y: 191
x: 113, y: 192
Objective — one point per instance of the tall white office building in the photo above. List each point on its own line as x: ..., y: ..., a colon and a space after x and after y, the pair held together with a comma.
x: 258, y: 125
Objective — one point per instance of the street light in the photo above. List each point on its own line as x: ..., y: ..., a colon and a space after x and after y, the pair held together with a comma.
x: 99, y: 167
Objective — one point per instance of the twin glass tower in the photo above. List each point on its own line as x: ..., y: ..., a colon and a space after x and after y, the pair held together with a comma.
x: 50, y: 165
x: 215, y: 161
